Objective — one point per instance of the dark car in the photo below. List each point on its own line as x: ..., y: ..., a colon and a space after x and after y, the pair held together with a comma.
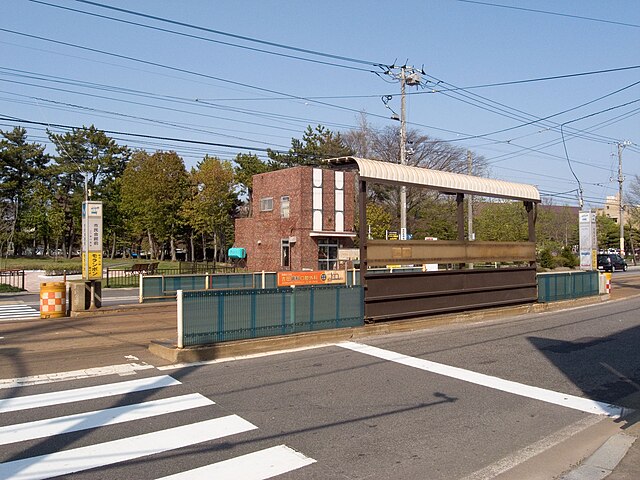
x: 610, y: 262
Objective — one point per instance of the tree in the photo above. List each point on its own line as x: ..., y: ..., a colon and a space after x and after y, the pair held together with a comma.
x: 608, y: 232
x: 152, y: 191
x: 21, y: 168
x: 209, y: 211
x: 501, y: 222
x: 87, y: 163
x: 422, y: 151
x: 316, y: 145
x: 248, y: 165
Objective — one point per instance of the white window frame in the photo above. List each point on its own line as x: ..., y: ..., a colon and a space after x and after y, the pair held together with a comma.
x: 266, y: 204
x: 285, y: 206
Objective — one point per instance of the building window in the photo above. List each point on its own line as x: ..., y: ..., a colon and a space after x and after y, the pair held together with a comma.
x: 327, y: 254
x: 284, y: 207
x: 266, y: 204
x: 285, y: 253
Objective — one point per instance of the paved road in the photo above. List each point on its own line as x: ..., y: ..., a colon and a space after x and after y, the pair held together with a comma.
x: 450, y: 402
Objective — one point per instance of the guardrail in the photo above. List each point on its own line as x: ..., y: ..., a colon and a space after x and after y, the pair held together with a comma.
x: 128, y: 276
x: 14, y: 278
x: 206, y: 317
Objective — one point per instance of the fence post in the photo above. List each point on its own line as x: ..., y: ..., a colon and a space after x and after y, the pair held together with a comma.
x: 292, y: 305
x: 180, y: 317
x: 140, y: 295
x: 263, y: 280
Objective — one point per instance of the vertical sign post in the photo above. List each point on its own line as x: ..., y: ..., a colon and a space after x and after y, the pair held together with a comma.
x: 92, y: 245
x: 588, y: 240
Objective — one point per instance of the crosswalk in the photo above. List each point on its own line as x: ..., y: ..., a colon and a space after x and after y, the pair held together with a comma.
x: 17, y: 311
x: 128, y: 409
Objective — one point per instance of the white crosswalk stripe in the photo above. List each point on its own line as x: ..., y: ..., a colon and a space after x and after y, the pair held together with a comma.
x: 17, y: 311
x: 258, y: 465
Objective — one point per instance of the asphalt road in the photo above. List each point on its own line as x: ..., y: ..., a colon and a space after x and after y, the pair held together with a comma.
x: 431, y: 404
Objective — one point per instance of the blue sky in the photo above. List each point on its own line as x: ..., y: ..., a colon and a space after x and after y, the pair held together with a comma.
x: 129, y: 78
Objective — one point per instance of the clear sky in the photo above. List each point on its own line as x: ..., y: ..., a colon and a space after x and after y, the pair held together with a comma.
x: 149, y: 76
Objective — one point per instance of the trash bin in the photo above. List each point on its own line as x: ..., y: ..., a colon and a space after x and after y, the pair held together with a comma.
x: 53, y: 300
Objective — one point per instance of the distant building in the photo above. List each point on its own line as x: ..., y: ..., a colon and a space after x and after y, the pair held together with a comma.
x: 611, y: 209
x: 300, y: 218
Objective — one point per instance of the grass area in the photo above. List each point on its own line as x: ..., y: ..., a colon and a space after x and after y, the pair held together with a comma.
x: 8, y: 289
x: 73, y: 265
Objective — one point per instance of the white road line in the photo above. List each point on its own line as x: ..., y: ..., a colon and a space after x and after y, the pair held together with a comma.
x: 516, y: 458
x: 100, y: 418
x: 93, y: 456
x: 549, y: 396
x: 86, y: 393
x: 253, y: 466
x: 18, y: 310
x: 121, y: 369
x: 176, y: 366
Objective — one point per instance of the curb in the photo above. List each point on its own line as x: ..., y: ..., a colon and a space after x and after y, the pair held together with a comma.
x: 167, y: 349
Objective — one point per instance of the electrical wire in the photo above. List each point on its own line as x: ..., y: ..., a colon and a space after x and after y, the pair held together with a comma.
x: 546, y: 12
x: 173, y: 32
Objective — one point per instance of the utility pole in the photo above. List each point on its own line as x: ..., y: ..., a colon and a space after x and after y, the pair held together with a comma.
x: 410, y: 76
x: 470, y: 235
x: 403, y: 152
x: 620, y: 180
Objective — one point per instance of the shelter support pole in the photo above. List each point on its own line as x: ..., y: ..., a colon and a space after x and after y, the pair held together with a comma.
x: 460, y: 202
x: 362, y: 212
x: 531, y: 220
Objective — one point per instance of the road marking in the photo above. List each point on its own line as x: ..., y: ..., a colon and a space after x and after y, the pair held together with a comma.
x: 122, y: 369
x: 93, y: 456
x: 177, y: 366
x: 537, y: 393
x: 530, y: 451
x: 259, y: 465
x: 86, y: 393
x: 99, y: 418
x: 17, y: 311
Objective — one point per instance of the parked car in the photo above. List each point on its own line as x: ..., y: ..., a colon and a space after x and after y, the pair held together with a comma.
x: 610, y: 262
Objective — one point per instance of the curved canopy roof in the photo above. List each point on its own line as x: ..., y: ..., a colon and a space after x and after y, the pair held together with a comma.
x: 394, y: 174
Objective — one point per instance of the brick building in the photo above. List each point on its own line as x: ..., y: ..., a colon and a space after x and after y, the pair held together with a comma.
x: 300, y: 218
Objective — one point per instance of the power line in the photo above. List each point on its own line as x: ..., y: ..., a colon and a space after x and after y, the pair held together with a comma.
x: 546, y: 12
x: 232, y: 35
x: 173, y: 32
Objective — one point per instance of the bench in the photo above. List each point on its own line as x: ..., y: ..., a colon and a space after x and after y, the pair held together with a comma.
x: 144, y: 268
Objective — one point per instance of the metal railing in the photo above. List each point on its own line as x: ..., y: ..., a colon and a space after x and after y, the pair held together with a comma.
x: 13, y: 278
x: 128, y: 276
x: 206, y: 317
x: 556, y: 286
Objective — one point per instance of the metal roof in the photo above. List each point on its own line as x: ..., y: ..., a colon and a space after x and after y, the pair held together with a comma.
x: 394, y: 174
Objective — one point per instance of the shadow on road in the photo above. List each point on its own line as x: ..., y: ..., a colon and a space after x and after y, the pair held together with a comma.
x: 606, y: 369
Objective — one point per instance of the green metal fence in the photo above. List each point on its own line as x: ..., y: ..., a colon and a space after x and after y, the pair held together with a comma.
x: 206, y: 317
x: 567, y: 285
x: 164, y: 287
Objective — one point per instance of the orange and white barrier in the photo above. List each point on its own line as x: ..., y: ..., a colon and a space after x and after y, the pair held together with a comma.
x: 53, y: 300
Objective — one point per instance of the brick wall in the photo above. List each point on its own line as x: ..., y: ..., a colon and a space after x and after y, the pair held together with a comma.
x: 261, y: 234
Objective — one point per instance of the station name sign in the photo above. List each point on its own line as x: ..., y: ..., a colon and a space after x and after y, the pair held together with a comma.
x: 326, y: 277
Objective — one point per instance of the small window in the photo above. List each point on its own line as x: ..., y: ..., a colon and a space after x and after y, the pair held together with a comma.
x: 284, y: 207
x: 285, y: 252
x: 266, y: 204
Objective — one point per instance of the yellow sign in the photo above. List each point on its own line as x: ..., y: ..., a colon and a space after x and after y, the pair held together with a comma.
x: 95, y: 265
x: 287, y: 279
